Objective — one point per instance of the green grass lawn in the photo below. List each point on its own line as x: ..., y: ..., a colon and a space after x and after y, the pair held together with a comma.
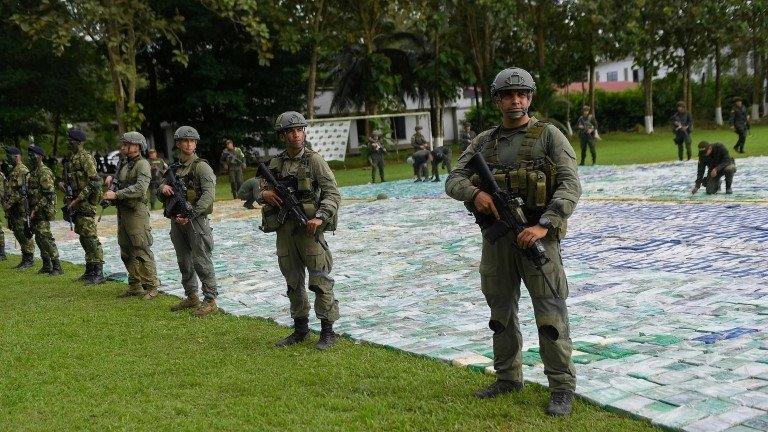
x: 77, y: 358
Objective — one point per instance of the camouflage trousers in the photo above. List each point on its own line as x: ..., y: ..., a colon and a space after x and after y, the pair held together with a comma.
x: 502, y: 268
x: 377, y: 164
x: 85, y: 227
x: 193, y: 253
x: 297, y: 255
x: 153, y: 194
x: 235, y: 180
x: 134, y: 236
x: 26, y: 243
x: 44, y: 239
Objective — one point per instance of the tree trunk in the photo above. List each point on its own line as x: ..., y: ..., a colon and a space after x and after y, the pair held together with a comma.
x: 648, y: 93
x: 568, y: 108
x: 117, y: 85
x: 718, y: 88
x: 56, y: 128
x: 591, y: 88
x: 757, y: 85
x: 158, y: 138
x: 312, y: 79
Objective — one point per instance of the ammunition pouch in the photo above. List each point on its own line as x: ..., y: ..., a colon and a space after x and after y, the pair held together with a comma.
x: 533, y: 181
x: 270, y: 218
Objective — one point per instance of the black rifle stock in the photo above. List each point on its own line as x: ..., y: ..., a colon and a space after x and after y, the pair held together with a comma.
x: 291, y: 207
x: 511, y: 218
x: 177, y: 204
x: 69, y: 196
x: 113, y: 186
x: 24, y: 192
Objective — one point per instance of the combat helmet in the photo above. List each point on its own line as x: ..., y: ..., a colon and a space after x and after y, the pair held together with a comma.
x: 136, y: 138
x: 288, y: 120
x: 513, y: 78
x: 186, y: 132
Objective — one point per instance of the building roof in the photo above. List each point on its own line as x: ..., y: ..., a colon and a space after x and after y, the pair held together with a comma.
x: 609, y: 86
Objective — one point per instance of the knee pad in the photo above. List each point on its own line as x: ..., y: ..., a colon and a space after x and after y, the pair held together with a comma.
x: 316, y: 289
x: 496, y: 326
x: 550, y: 332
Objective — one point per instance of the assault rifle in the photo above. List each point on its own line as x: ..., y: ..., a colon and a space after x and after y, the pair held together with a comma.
x: 291, y: 206
x: 511, y: 218
x: 69, y: 196
x: 177, y: 204
x: 113, y: 186
x: 24, y: 193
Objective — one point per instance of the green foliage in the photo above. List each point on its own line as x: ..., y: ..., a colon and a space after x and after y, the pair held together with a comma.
x: 483, y: 117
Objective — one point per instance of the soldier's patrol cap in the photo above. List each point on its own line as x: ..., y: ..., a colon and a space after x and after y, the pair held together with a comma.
x: 419, y: 128
x: 33, y: 149
x: 738, y: 99
x: 152, y: 151
x: 76, y: 135
x: 12, y: 151
x: 703, y: 145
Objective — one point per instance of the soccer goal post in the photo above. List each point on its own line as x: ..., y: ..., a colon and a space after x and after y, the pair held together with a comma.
x: 333, y: 137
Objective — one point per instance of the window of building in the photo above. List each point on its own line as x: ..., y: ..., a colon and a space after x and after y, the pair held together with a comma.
x: 612, y: 76
x: 635, y: 75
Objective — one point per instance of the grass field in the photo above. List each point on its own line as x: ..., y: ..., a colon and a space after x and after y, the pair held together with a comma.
x: 77, y: 358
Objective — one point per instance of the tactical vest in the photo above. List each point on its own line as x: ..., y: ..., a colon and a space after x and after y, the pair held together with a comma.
x: 193, y: 185
x: 125, y: 177
x: 533, y: 180
x: 306, y: 190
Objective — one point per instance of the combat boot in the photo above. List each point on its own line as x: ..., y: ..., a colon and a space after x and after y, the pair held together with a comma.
x: 728, y: 191
x: 87, y: 272
x: 56, y: 268
x: 150, y: 293
x: 207, y: 307
x: 327, y: 336
x: 300, y: 332
x: 132, y: 291
x: 46, y: 268
x: 97, y: 275
x: 499, y: 387
x: 27, y: 261
x: 560, y: 403
x: 191, y: 302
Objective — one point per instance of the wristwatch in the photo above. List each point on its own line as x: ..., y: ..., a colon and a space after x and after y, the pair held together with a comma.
x: 545, y: 222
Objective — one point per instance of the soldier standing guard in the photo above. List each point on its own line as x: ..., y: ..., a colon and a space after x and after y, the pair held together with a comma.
x: 42, y: 203
x: 740, y: 123
x: 376, y: 151
x: 235, y: 160
x: 304, y: 249
x: 17, y: 207
x: 587, y: 126
x: 421, y: 151
x: 192, y: 238
x: 157, y: 169
x: 682, y: 126
x: 134, y: 234
x: 85, y: 183
x: 536, y: 151
x: 466, y: 136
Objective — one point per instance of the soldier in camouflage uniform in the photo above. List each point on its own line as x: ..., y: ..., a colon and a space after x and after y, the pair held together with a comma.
x: 682, y: 126
x: 157, y: 167
x: 551, y: 190
x: 134, y: 234
x: 466, y: 136
x: 86, y: 185
x: 587, y: 126
x: 740, y: 123
x: 192, y: 238
x: 235, y: 160
x: 421, y: 149
x: 303, y: 249
x: 376, y: 151
x: 42, y: 203
x: 14, y: 201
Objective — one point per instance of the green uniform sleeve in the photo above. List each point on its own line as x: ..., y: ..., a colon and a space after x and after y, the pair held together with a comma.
x: 240, y: 156
x: 139, y: 189
x: 329, y: 192
x: 207, y: 178
x: 458, y: 186
x: 567, y: 187
x: 47, y: 191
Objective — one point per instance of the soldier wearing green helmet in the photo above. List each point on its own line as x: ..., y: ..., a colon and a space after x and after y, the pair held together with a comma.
x: 533, y: 160
x: 42, y: 204
x: 85, y: 183
x: 134, y: 234
x: 192, y: 238
x: 302, y: 250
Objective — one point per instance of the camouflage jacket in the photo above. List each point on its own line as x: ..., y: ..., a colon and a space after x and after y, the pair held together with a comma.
x: 418, y: 140
x: 42, y: 192
x: 86, y: 182
x: 234, y: 159
x: 157, y: 169
x: 132, y: 183
x: 18, y: 178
